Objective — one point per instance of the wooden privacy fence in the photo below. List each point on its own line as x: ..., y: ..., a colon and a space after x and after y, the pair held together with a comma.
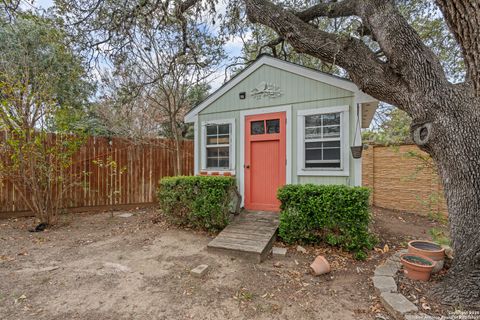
x: 142, y: 166
x: 402, y: 179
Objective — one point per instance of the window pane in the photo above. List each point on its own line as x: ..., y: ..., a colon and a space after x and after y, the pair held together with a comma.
x: 332, y: 131
x: 212, y: 162
x: 223, y: 163
x: 313, y: 133
x: 322, y: 154
x: 331, y: 144
x: 273, y: 126
x: 211, y: 129
x: 212, y: 140
x: 212, y: 152
x: 223, y: 152
x: 224, y: 129
x: 331, y: 119
x: 331, y: 154
x: 314, y: 154
x: 313, y: 121
x: 221, y: 139
x: 313, y: 145
x: 218, y: 157
x: 257, y: 127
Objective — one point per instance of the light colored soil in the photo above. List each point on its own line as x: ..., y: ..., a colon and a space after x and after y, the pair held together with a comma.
x: 131, y: 268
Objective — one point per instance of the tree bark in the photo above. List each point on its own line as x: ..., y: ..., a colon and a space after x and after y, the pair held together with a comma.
x: 177, y: 141
x: 446, y: 117
x: 451, y: 137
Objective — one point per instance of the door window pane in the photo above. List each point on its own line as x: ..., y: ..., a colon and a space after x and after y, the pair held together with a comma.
x: 273, y: 126
x: 257, y: 127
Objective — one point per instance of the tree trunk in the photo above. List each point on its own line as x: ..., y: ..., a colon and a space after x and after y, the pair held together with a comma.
x: 177, y: 146
x: 450, y: 133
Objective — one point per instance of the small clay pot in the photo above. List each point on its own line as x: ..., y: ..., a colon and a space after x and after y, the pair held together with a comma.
x: 417, y: 267
x: 320, y: 266
x: 428, y: 249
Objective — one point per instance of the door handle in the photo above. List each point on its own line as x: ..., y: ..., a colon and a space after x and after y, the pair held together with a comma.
x: 247, y: 166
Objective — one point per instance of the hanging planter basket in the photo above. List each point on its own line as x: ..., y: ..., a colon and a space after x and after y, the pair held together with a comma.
x: 356, y: 151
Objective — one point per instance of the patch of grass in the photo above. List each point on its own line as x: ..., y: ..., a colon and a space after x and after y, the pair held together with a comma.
x: 245, y: 296
x: 439, y: 236
x: 438, y: 217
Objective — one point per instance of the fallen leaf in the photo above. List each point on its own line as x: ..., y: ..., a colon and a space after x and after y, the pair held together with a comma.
x: 425, y: 306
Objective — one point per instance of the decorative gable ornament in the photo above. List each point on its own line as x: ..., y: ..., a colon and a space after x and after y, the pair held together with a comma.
x: 266, y: 90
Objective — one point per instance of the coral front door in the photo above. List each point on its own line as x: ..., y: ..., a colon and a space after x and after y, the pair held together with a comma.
x: 265, y: 160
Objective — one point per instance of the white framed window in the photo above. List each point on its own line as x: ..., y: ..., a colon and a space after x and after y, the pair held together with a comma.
x: 218, y: 149
x: 323, y: 141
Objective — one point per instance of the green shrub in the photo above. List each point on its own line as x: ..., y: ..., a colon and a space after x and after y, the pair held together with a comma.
x: 336, y: 214
x: 200, y: 202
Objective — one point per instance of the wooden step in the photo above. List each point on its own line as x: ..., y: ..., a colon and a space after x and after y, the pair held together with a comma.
x: 250, y: 235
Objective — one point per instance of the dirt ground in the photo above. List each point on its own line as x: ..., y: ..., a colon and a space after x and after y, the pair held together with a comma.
x: 95, y: 266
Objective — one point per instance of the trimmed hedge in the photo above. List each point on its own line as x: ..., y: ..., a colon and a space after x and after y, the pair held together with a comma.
x: 201, y: 202
x: 336, y: 214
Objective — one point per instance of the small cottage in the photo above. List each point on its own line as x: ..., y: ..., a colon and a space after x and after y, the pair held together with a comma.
x: 279, y: 123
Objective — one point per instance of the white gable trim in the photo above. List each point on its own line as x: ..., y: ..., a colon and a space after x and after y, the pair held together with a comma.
x: 283, y: 65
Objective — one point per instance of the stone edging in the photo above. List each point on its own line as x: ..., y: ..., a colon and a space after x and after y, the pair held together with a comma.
x: 396, y: 304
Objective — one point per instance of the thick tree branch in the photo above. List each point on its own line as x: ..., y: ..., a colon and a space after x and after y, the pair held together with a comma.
x: 366, y: 70
x: 463, y: 18
x: 331, y: 10
x: 406, y: 53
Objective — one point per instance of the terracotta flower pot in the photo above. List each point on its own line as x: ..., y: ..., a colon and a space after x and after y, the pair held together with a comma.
x: 417, y: 267
x: 320, y: 266
x: 428, y: 249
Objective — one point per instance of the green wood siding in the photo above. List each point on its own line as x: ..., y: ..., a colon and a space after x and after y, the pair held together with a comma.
x: 294, y: 89
x: 300, y: 93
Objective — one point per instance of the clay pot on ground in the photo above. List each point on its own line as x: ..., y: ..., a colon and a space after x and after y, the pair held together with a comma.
x: 417, y: 267
x: 428, y: 249
x: 320, y: 266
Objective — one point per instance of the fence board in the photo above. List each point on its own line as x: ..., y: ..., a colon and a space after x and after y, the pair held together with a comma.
x: 145, y: 165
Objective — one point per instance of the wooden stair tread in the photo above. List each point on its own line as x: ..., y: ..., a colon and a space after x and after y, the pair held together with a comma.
x: 250, y: 235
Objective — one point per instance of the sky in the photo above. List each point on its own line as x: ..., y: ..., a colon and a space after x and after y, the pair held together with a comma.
x: 233, y: 47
